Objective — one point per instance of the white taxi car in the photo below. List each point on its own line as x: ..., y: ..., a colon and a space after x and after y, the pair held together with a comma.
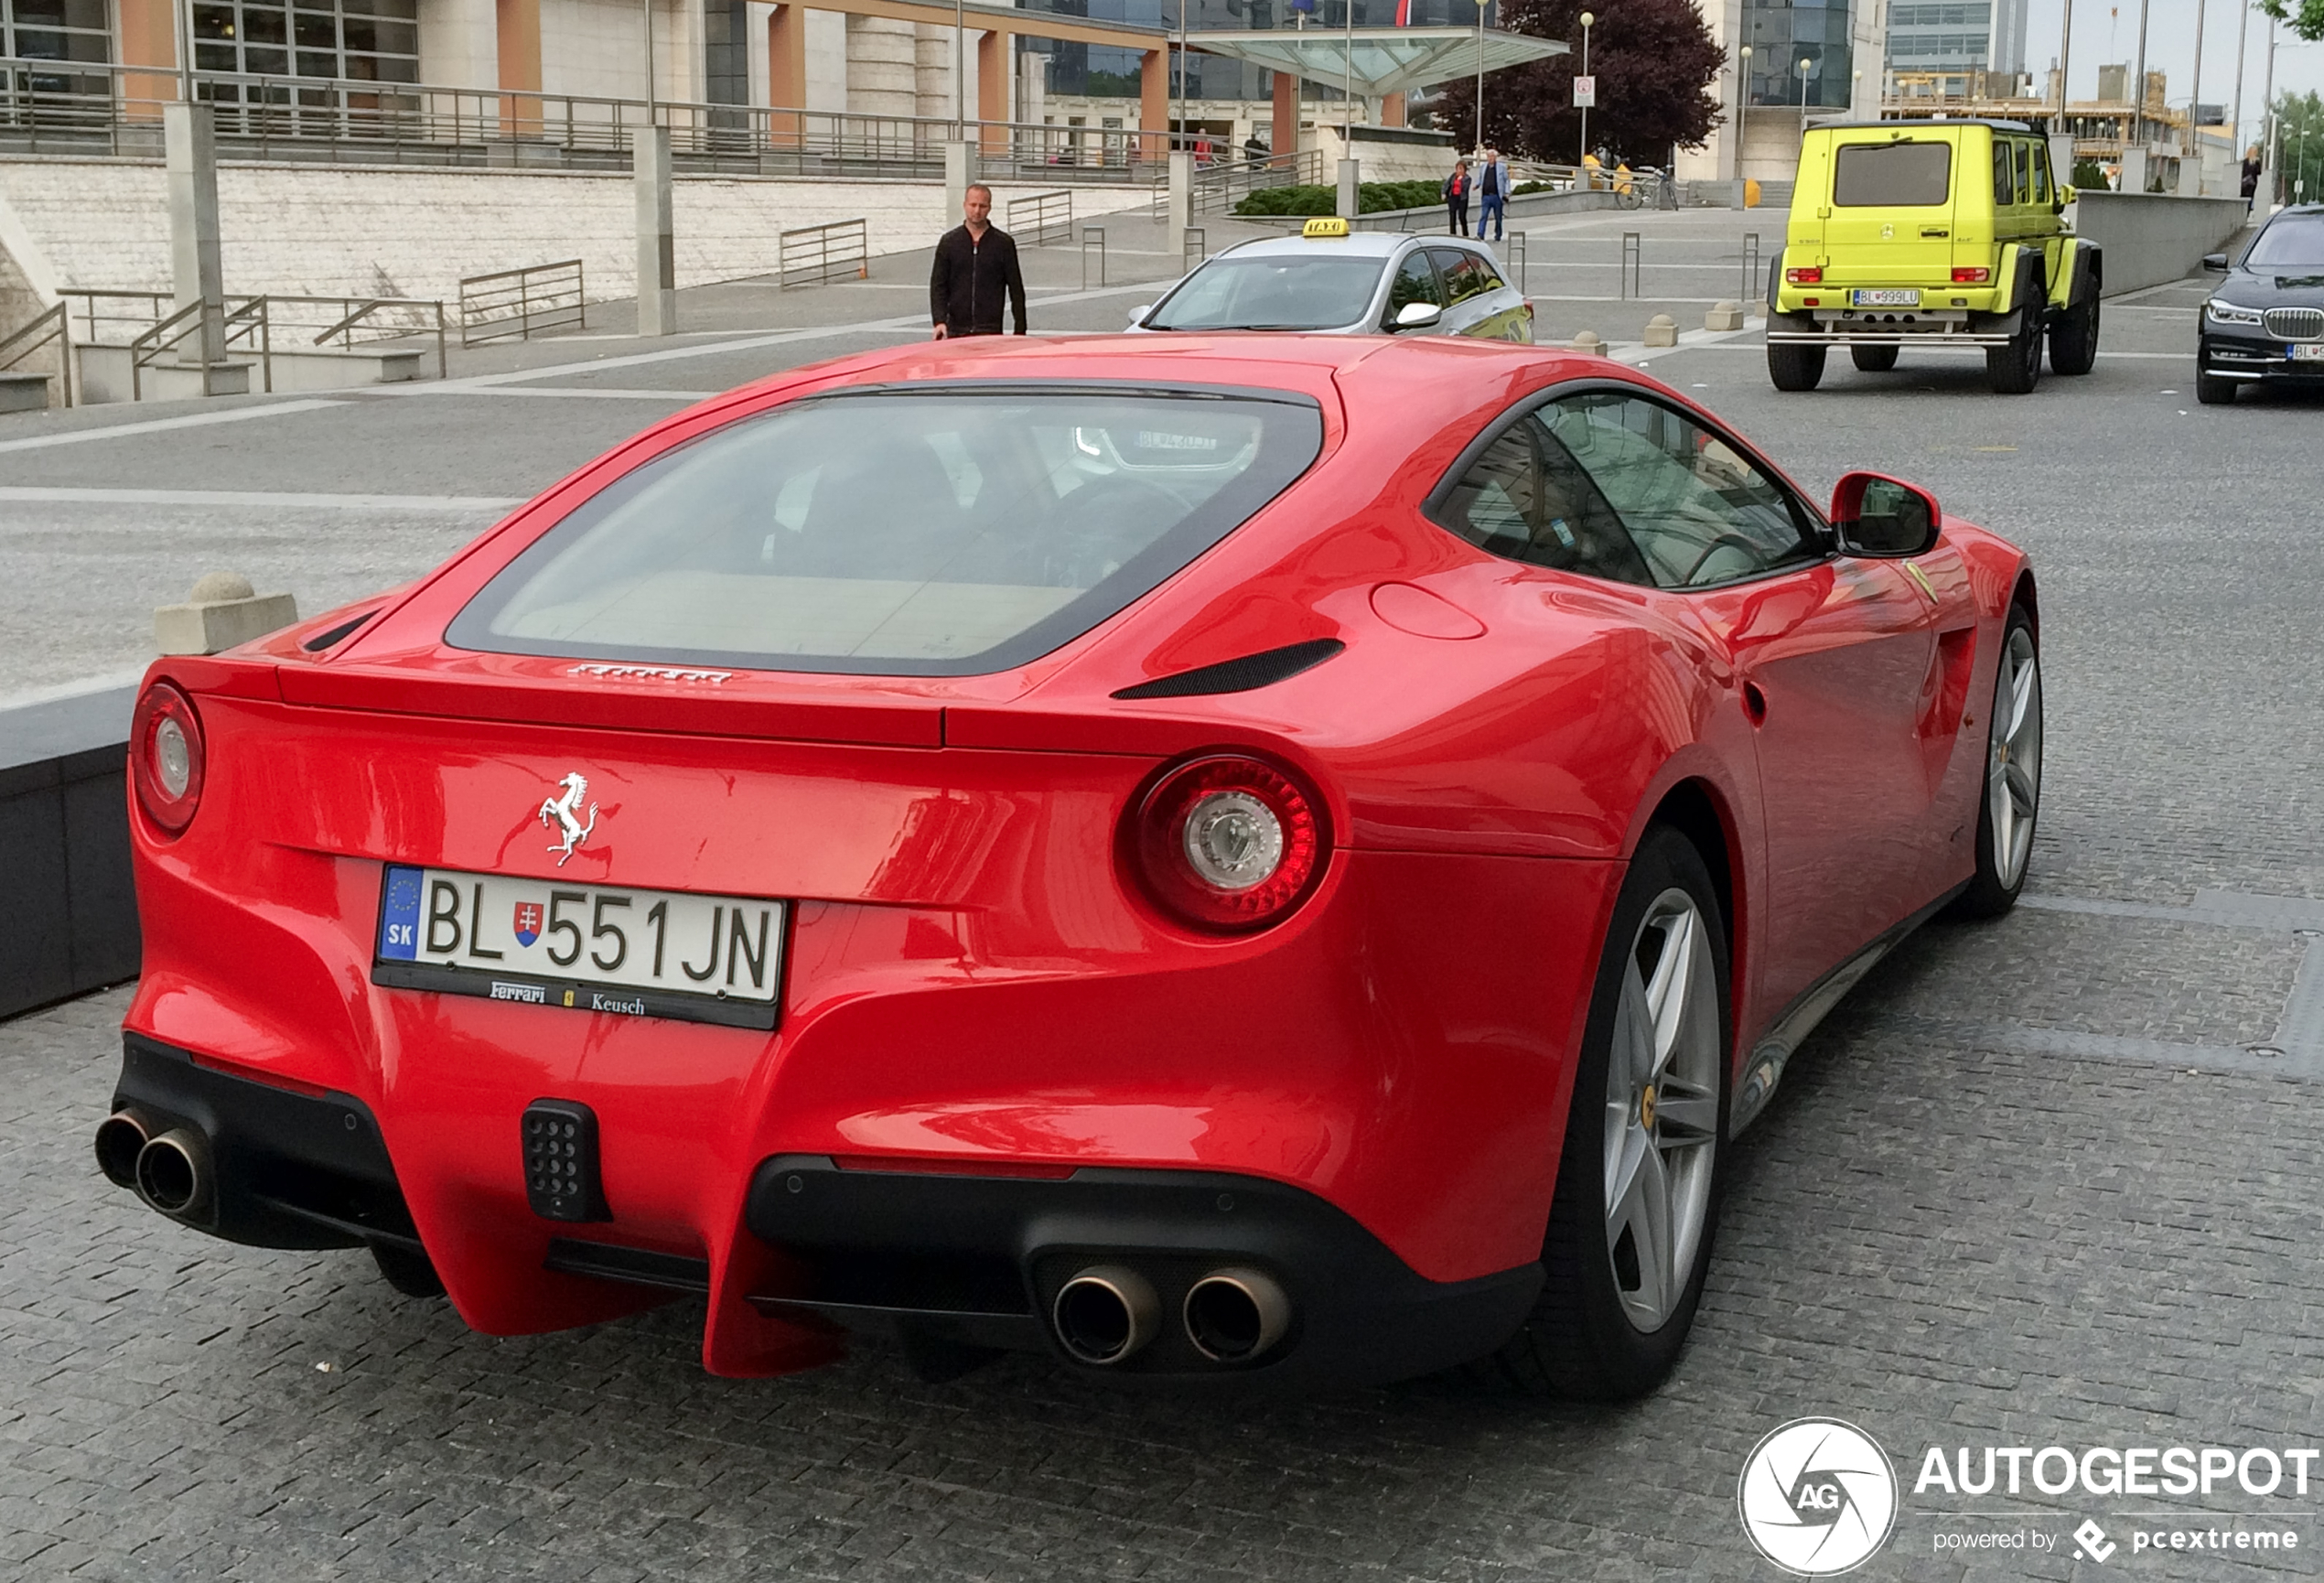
x: 1332, y: 282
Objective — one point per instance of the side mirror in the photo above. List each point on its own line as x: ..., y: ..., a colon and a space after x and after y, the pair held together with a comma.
x: 2216, y: 262
x: 1138, y: 315
x: 1884, y: 518
x: 1415, y: 316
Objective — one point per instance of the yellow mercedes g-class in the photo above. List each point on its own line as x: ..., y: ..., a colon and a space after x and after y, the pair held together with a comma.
x: 1926, y: 234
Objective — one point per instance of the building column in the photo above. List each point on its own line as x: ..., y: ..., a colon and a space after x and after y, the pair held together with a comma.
x: 1154, y: 103
x: 992, y: 90
x: 190, y: 135
x: 786, y: 72
x: 1391, y: 110
x: 1285, y: 137
x: 657, y: 240
x: 518, y: 39
x: 148, y: 38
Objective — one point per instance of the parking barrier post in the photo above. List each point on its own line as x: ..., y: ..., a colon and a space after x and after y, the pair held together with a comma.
x: 1633, y: 250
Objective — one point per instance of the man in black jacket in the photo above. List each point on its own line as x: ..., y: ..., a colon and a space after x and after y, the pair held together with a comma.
x: 975, y: 267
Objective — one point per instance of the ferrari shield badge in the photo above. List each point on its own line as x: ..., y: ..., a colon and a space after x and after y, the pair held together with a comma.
x: 563, y: 816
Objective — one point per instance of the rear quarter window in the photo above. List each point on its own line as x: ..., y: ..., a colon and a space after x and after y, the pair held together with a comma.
x: 1898, y: 175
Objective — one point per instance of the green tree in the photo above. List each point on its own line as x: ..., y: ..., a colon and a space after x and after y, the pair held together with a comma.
x: 2307, y: 18
x: 2300, y: 144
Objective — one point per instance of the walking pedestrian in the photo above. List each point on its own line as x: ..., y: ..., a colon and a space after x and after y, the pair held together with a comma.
x: 975, y: 269
x: 1456, y: 197
x: 1493, y: 190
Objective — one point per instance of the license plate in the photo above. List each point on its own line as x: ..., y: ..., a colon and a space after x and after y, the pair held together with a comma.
x: 587, y: 947
x: 2309, y: 352
x: 1886, y: 296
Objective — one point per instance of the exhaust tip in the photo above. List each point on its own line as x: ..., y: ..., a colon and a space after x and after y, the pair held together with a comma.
x: 172, y: 1173
x: 1106, y: 1314
x: 121, y: 1137
x: 1234, y: 1316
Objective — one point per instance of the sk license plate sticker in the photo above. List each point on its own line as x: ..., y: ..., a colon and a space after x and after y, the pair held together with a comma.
x: 1885, y: 297
x: 587, y: 947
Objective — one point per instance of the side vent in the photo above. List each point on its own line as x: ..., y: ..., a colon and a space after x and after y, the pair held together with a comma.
x: 1241, y: 675
x: 325, y: 639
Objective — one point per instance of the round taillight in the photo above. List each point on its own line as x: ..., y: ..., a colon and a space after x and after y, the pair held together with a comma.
x: 166, y: 756
x: 1227, y: 843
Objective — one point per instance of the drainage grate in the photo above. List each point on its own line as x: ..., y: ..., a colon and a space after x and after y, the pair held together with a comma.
x: 561, y: 1161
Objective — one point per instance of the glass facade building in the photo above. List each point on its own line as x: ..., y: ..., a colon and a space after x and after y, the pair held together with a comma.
x: 55, y: 30
x: 356, y: 40
x: 1100, y: 72
x: 1957, y: 35
x: 1782, y: 34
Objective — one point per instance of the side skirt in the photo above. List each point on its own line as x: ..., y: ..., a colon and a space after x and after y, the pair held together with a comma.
x: 1774, y: 1050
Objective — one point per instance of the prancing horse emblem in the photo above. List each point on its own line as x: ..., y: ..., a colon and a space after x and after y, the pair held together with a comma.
x: 566, y: 813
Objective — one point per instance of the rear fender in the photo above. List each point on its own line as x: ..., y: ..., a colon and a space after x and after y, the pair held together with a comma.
x: 2081, y: 274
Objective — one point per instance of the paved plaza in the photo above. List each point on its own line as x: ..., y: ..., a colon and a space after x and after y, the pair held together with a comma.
x: 2052, y: 1181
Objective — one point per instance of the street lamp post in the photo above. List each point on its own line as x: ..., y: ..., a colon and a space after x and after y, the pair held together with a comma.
x: 2235, y: 116
x: 2138, y: 88
x: 2195, y: 103
x: 1742, y: 105
x: 1585, y: 19
x: 1480, y: 73
x: 1804, y: 64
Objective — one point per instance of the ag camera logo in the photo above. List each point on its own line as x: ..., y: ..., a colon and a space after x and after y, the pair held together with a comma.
x: 1818, y: 1497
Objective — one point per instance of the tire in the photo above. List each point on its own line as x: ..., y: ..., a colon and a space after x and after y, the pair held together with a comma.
x: 1794, y: 367
x: 1614, y: 1313
x: 2014, y: 368
x: 2009, y: 799
x: 2212, y: 392
x: 412, y: 1273
x: 1874, y: 358
x: 2073, y: 338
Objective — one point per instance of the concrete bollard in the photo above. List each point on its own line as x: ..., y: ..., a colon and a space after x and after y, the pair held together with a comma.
x: 1661, y: 330
x: 1588, y: 344
x: 1725, y: 315
x: 220, y: 613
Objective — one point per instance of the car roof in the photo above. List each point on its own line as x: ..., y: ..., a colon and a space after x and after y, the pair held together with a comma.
x: 1891, y: 123
x: 1357, y: 244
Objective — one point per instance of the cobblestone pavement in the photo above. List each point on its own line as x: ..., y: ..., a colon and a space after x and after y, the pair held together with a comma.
x: 2050, y: 1180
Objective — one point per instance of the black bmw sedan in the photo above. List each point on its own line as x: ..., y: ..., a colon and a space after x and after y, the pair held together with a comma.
x: 2266, y: 320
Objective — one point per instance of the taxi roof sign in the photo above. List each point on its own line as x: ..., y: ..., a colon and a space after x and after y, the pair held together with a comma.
x: 1324, y: 225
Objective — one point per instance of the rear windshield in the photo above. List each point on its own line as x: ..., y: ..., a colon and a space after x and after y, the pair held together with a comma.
x: 923, y: 534
x: 1306, y: 291
x: 2290, y: 242
x: 1891, y: 175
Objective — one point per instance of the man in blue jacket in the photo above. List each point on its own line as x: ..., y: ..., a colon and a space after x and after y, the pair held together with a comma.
x: 1492, y: 191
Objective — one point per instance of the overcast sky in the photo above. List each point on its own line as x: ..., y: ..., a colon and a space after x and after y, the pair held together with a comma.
x: 2108, y: 31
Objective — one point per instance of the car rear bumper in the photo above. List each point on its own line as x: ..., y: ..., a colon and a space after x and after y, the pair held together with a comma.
x: 1980, y: 330
x: 937, y: 1257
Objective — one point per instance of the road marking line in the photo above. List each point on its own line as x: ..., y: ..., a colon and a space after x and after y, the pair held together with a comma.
x: 155, y: 425
x: 263, y: 499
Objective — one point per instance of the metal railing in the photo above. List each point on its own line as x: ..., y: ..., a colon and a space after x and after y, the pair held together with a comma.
x: 252, y: 325
x: 1093, y: 235
x: 516, y: 302
x: 1043, y: 218
x: 817, y: 254
x: 55, y: 325
x: 52, y: 107
x: 1219, y: 188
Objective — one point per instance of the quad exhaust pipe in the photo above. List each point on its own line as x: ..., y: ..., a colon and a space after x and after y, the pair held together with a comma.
x: 170, y: 1169
x: 1106, y: 1314
x: 1235, y: 1315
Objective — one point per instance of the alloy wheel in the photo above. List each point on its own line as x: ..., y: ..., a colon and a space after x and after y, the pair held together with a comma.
x: 1662, y: 1109
x: 2013, y: 770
